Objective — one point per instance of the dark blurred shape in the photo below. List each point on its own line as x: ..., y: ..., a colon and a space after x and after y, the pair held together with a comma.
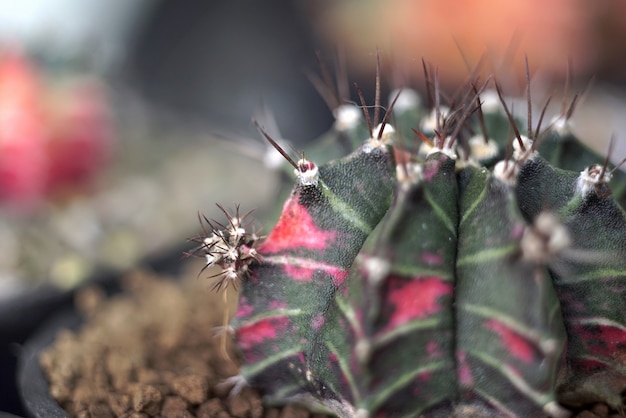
x: 215, y: 62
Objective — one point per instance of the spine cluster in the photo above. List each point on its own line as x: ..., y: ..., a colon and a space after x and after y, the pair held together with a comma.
x: 230, y: 247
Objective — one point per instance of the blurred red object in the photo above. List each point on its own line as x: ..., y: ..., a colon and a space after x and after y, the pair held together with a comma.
x: 80, y: 136
x: 23, y: 161
x: 52, y: 138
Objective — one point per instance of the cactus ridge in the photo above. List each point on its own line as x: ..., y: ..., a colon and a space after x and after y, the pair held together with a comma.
x: 473, y: 273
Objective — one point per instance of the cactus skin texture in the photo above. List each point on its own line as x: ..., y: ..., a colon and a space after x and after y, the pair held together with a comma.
x: 442, y: 283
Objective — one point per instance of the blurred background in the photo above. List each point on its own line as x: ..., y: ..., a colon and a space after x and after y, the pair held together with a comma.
x: 121, y: 120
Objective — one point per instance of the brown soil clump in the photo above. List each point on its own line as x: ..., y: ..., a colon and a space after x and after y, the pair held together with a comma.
x: 150, y: 352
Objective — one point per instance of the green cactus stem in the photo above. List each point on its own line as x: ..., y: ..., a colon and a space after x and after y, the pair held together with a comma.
x: 480, y: 273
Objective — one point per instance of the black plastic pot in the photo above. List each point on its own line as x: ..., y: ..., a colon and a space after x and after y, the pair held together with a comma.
x: 30, y: 323
x: 20, y: 316
x: 8, y: 415
x: 32, y: 385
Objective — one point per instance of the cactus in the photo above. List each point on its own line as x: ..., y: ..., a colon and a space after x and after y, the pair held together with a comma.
x: 479, y: 276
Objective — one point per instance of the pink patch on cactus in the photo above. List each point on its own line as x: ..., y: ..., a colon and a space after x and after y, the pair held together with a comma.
x: 299, y: 274
x: 277, y: 304
x: 602, y: 340
x: 244, y: 310
x: 249, y: 336
x: 431, y: 258
x: 433, y: 349
x: 587, y: 365
x: 339, y: 276
x: 419, y: 386
x: 345, y: 291
x: 515, y: 343
x: 424, y: 377
x: 517, y: 231
x: 414, y: 299
x: 317, y: 322
x: 574, y: 304
x: 430, y: 170
x: 305, y: 273
x: 463, y: 370
x: 294, y: 229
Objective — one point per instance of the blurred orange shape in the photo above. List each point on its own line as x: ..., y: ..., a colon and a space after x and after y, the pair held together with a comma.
x: 549, y: 32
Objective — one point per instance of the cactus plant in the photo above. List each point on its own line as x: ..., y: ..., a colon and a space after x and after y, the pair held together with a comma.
x: 480, y: 276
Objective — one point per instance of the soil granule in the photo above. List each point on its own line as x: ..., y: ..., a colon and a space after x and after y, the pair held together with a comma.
x: 151, y: 352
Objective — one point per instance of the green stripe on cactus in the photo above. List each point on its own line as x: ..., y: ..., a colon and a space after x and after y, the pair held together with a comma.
x: 349, y: 313
x: 503, y: 303
x: 488, y: 255
x: 345, y: 368
x: 344, y: 210
x: 412, y: 270
x: 382, y: 339
x: 599, y: 273
x: 520, y: 327
x: 256, y: 368
x: 514, y: 377
x: 379, y: 398
x: 278, y: 313
x: 441, y: 212
x: 600, y: 322
x: 479, y: 197
x: 496, y: 404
